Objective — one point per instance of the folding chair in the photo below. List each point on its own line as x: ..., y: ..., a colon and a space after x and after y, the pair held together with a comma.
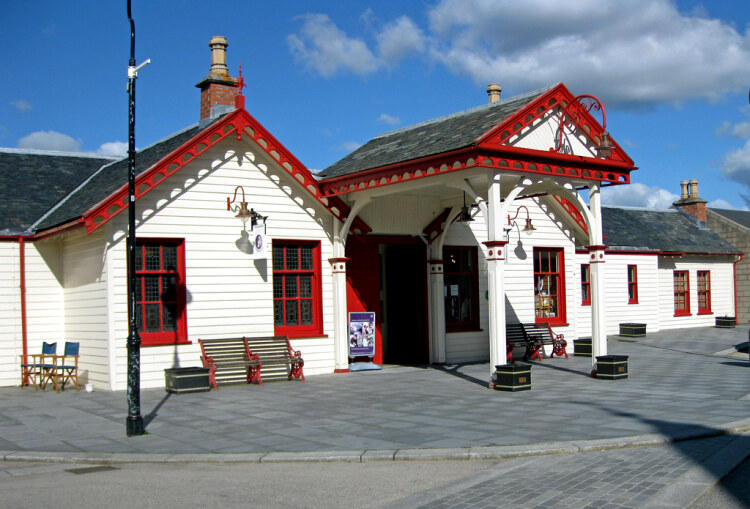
x: 67, y: 368
x: 31, y: 366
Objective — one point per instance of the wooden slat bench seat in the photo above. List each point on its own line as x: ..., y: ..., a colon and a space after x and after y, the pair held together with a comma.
x: 544, y: 333
x: 277, y: 358
x: 516, y: 337
x: 229, y: 360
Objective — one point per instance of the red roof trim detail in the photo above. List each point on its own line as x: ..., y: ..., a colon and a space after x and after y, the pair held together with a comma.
x: 555, y: 98
x: 435, y: 228
x: 241, y: 124
x: 573, y: 211
x: 500, y: 158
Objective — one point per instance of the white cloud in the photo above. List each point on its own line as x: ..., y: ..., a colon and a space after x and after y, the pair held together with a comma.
x: 721, y: 204
x: 638, y: 195
x: 50, y: 140
x: 639, y: 52
x: 736, y: 165
x: 400, y: 39
x: 113, y: 148
x: 740, y: 130
x: 22, y: 105
x: 322, y: 47
x: 388, y: 119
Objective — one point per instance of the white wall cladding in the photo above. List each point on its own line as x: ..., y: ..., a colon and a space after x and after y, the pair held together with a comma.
x: 542, y: 135
x: 229, y: 294
x: 11, y: 343
x: 400, y: 214
x: 722, y: 290
x: 85, y: 310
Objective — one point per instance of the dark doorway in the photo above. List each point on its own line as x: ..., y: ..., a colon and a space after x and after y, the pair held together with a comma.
x: 403, y: 277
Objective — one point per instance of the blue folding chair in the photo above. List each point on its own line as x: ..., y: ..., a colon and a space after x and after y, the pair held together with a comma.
x: 32, y: 365
x: 67, y: 367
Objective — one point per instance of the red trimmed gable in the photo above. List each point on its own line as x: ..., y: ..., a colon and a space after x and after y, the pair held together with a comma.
x: 240, y: 124
x: 557, y: 97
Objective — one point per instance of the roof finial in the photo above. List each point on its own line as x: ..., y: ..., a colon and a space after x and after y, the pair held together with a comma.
x: 240, y: 81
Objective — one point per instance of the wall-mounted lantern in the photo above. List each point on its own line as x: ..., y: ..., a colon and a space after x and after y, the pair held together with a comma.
x: 241, y: 209
x: 528, y: 229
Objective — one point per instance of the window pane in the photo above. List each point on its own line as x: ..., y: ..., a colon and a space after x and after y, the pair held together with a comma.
x: 305, y: 286
x: 465, y: 262
x: 153, y: 261
x: 278, y: 313
x: 152, y: 318
x: 152, y: 288
x: 139, y: 258
x: 278, y: 257
x: 169, y: 317
x: 290, y: 287
x: 169, y: 288
x: 465, y: 286
x: 138, y: 288
x: 291, y: 313
x: 292, y: 258
x: 585, y: 293
x: 584, y: 274
x: 465, y: 310
x: 306, y: 254
x: 306, y: 314
x: 278, y: 286
x: 139, y: 315
x: 169, y: 255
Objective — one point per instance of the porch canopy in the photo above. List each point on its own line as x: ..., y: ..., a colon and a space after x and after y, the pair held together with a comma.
x: 545, y: 143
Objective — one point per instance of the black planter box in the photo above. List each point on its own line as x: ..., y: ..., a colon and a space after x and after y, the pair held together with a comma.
x: 582, y: 347
x: 184, y: 380
x: 612, y: 367
x: 632, y: 330
x: 727, y: 322
x: 513, y: 377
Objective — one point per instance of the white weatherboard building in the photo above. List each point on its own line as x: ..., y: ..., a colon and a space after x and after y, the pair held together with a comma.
x: 384, y: 230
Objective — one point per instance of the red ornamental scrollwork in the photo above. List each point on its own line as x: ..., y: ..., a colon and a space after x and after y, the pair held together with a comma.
x: 572, y: 116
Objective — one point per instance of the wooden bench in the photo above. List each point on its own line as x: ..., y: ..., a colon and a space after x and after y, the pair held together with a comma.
x: 543, y: 332
x: 229, y: 360
x: 277, y: 358
x: 515, y: 336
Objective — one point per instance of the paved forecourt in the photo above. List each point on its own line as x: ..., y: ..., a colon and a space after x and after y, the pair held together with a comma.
x: 682, y: 384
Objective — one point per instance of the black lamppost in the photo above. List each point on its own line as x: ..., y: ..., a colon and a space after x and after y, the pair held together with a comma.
x: 134, y: 422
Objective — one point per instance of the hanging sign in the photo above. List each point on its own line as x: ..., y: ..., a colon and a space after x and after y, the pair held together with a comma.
x: 362, y: 334
x: 258, y: 241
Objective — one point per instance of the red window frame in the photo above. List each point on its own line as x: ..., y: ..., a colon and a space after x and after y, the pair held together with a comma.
x: 585, y: 284
x: 549, y: 286
x: 704, y: 292
x: 297, y: 288
x: 681, y: 293
x: 160, y: 287
x: 461, y: 288
x: 632, y: 284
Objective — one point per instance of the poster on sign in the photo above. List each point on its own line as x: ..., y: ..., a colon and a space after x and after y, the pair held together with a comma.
x: 361, y: 334
x: 258, y: 239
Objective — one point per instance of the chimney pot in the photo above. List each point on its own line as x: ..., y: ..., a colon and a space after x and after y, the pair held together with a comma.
x: 693, y: 189
x: 493, y: 91
x: 684, y: 188
x: 218, y: 89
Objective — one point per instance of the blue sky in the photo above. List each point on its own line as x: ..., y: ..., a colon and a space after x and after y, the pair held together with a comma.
x: 326, y: 76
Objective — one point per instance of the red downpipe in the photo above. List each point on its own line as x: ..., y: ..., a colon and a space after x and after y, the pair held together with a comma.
x: 24, y: 330
x: 742, y: 257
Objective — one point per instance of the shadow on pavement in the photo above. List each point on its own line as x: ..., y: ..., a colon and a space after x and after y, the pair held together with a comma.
x: 463, y: 376
x: 682, y: 436
x: 150, y: 417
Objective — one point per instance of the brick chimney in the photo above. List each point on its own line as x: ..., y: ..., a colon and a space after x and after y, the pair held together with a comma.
x: 690, y: 202
x: 493, y: 91
x: 218, y: 89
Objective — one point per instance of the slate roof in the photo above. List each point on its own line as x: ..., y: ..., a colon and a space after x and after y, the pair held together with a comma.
x: 443, y: 134
x: 660, y: 230
x: 741, y: 217
x: 111, y: 177
x: 31, y: 182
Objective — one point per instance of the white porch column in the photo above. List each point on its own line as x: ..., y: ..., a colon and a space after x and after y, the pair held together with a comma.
x: 495, y: 268
x: 340, y: 322
x: 596, y: 261
x: 437, y: 313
